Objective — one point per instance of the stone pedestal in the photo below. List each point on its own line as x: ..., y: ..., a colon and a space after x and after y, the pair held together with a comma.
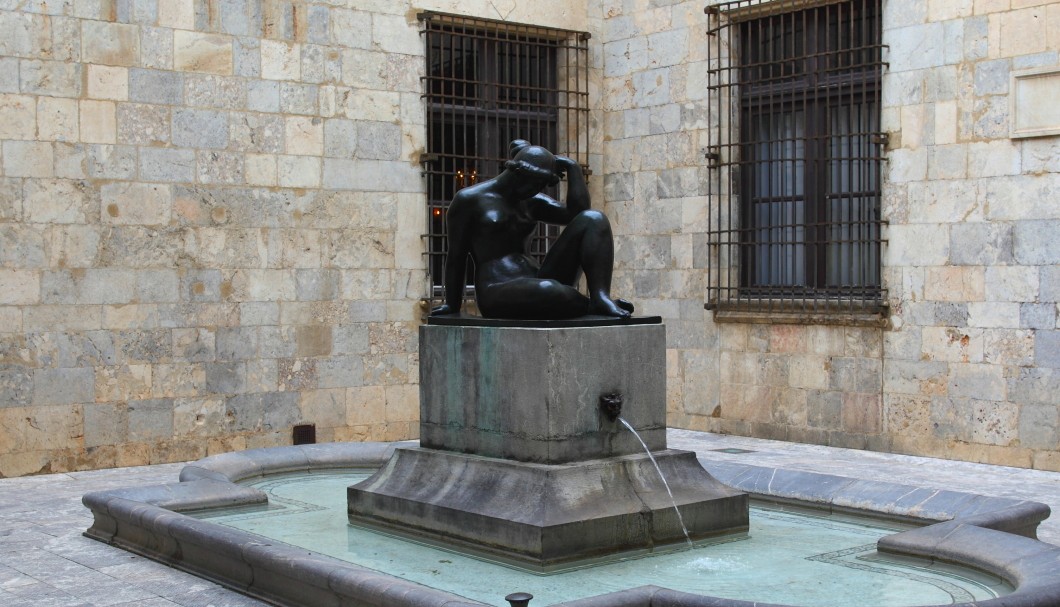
x: 517, y: 461
x: 532, y: 394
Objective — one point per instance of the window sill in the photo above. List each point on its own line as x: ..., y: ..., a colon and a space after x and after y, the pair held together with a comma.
x: 751, y: 314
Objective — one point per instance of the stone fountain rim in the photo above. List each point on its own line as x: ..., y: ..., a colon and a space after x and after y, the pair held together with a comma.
x: 988, y: 533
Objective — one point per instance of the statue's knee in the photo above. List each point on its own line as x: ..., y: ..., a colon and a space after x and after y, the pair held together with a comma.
x: 594, y: 217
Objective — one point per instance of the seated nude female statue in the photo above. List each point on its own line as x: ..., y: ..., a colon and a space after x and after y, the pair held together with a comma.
x: 492, y: 221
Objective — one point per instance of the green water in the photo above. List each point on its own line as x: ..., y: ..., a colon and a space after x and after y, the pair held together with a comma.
x: 792, y: 558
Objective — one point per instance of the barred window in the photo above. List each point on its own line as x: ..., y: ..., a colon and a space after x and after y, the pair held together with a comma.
x: 795, y: 220
x: 489, y: 82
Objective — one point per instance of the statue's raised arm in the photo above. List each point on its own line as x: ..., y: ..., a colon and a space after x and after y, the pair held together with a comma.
x: 493, y: 221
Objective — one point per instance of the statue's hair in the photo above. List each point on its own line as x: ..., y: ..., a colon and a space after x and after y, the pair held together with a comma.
x: 516, y: 146
x: 520, y: 164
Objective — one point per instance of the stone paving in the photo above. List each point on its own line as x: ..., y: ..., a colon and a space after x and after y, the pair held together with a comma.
x: 46, y: 562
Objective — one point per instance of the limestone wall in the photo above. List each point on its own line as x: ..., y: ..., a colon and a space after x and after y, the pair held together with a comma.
x: 971, y: 367
x: 210, y: 219
x: 967, y: 368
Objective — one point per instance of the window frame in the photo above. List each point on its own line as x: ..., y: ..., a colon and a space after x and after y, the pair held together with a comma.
x: 738, y: 288
x: 552, y: 111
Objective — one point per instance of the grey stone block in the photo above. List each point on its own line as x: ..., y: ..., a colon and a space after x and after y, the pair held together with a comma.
x: 378, y: 140
x: 64, y: 386
x: 1039, y: 426
x: 110, y: 161
x: 150, y: 346
x: 246, y: 56
x: 1035, y: 242
x: 299, y: 98
x: 236, y: 343
x: 267, y: 411
x: 991, y: 77
x: 226, y: 377
x: 980, y: 243
x: 150, y: 419
x: 16, y: 386
x: 532, y: 394
x: 223, y: 92
x: 156, y: 86
x: 340, y: 138
x: 52, y: 78
x: 263, y: 96
x: 167, y: 164
x: 1047, y: 349
x: 1038, y: 316
x: 106, y: 424
x: 200, y: 129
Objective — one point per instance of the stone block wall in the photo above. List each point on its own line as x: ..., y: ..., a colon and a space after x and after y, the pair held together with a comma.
x: 970, y: 367
x: 967, y: 365
x: 210, y: 219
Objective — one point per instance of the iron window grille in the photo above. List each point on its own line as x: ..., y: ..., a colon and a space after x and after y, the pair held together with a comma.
x: 795, y: 223
x: 488, y: 82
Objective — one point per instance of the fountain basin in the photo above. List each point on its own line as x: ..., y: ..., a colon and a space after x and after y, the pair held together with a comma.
x: 991, y: 534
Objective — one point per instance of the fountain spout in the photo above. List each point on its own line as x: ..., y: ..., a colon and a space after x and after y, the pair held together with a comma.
x: 611, y: 405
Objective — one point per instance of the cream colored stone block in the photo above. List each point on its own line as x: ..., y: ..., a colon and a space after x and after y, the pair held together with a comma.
x: 40, y: 428
x: 130, y: 382
x: 809, y: 372
x: 179, y: 14
x: 953, y: 344
x: 130, y: 317
x: 945, y: 122
x: 29, y: 159
x: 943, y: 10
x: 11, y: 319
x: 18, y: 117
x: 984, y: 7
x: 281, y: 60
x: 198, y: 52
x: 1023, y: 32
x: 954, y: 283
x: 198, y: 416
x: 172, y: 380
x: 325, y: 408
x: 107, y: 82
x: 365, y: 405
x: 298, y: 171
x: 260, y: 169
x: 57, y: 119
x: 110, y: 43
x: 365, y: 104
x: 402, y: 403
x: 914, y: 120
x: 19, y: 287
x: 98, y: 122
x: 304, y: 135
x: 130, y: 203
x: 994, y: 315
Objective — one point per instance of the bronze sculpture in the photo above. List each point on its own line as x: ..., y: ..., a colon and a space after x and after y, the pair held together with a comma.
x: 493, y: 220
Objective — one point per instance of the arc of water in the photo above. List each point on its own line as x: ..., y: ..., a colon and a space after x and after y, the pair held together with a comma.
x: 662, y: 477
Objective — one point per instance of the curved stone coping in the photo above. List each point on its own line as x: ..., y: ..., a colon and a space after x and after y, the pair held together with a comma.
x: 890, y: 500
x: 979, y: 531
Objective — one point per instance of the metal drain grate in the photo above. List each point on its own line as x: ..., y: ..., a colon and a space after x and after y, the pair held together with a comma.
x: 733, y: 450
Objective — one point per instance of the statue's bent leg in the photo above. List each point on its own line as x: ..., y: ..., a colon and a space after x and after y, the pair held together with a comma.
x: 532, y: 298
x: 586, y: 244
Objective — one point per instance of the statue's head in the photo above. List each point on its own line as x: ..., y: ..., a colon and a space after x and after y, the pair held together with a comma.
x: 532, y: 161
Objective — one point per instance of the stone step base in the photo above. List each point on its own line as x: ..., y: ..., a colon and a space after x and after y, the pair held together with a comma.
x: 543, y: 516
